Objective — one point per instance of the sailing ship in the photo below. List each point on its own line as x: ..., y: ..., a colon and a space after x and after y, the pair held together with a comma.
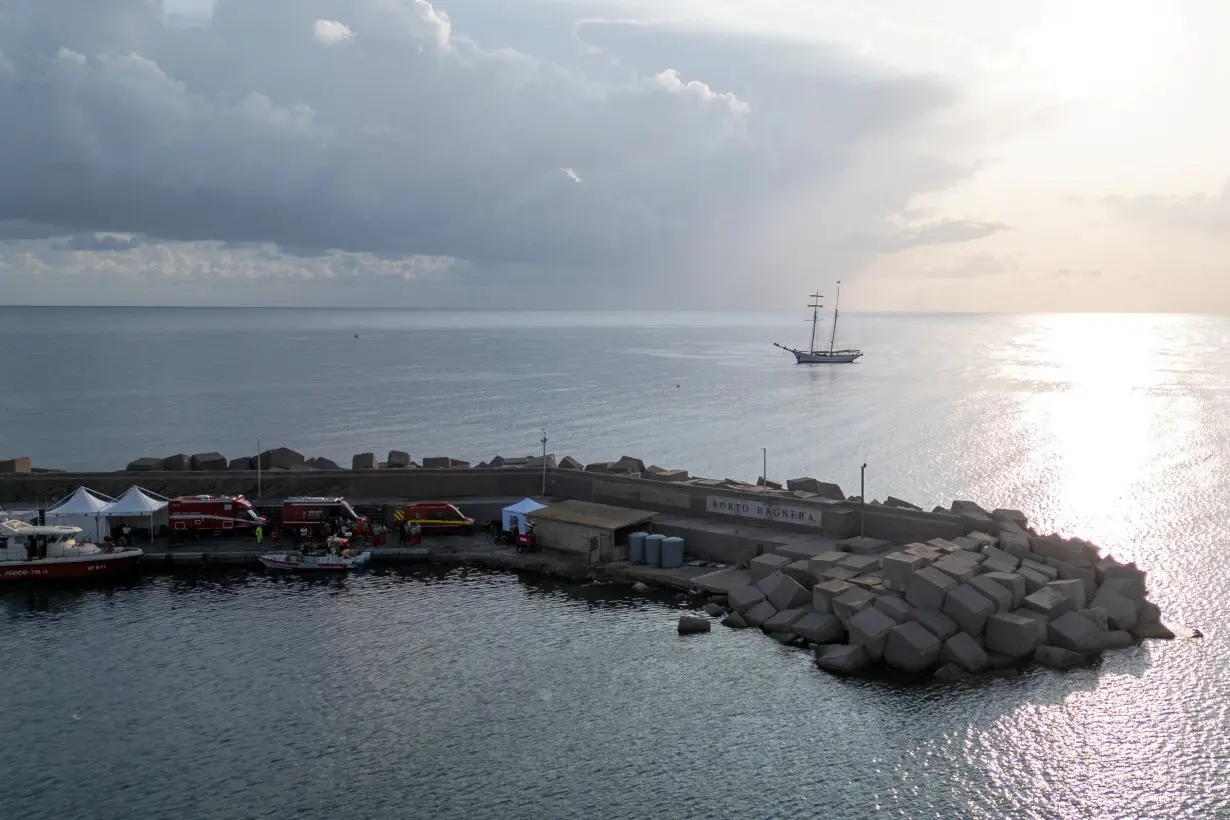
x: 832, y: 355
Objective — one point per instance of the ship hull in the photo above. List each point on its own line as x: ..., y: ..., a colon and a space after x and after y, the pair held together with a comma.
x: 97, y: 567
x: 836, y: 357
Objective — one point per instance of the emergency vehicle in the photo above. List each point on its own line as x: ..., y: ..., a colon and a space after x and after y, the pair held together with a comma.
x: 433, y: 517
x: 312, y: 511
x: 193, y: 515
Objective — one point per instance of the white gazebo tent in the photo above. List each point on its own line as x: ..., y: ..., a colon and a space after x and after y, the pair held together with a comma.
x: 137, y: 507
x: 517, y: 512
x: 81, y: 509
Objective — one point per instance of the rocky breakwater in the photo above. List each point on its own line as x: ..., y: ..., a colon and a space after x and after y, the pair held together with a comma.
x: 999, y: 598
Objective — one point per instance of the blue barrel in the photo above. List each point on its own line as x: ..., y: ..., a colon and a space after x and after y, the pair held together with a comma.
x: 672, y: 552
x: 653, y: 549
x: 636, y: 547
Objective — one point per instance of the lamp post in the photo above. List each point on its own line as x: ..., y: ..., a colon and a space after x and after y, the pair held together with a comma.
x: 258, y: 467
x: 544, y: 462
x: 862, y: 499
x: 764, y: 466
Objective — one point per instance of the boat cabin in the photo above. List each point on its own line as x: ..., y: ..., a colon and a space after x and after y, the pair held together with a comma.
x: 20, y: 541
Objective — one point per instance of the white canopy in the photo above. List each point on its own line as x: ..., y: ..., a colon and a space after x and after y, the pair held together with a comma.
x: 81, y: 509
x: 517, y: 513
x: 135, y: 501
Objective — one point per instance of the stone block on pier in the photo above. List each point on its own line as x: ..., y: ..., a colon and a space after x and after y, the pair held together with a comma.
x: 784, y: 620
x: 627, y: 464
x: 21, y: 464
x: 1071, y: 631
x: 957, y: 568
x: 670, y: 476
x: 893, y: 501
x: 741, y: 599
x: 798, y: 570
x: 365, y: 461
x: 898, y: 567
x: 965, y: 652
x: 398, y: 459
x: 762, y: 566
x: 1067, y: 551
x: 924, y: 551
x: 443, y: 463
x: 241, y: 463
x: 1015, y: 544
x: 783, y: 591
x: 570, y: 463
x: 322, y: 463
x: 1050, y: 601
x: 1011, y: 581
x: 819, y: 627
x: 970, y: 507
x: 969, y: 608
x: 280, y: 458
x: 1129, y: 586
x: 981, y: 538
x: 1011, y: 635
x: 944, y: 545
x: 823, y: 594
x: 863, y: 545
x: 821, y: 488
x: 910, y: 647
x: 759, y: 614
x: 1068, y: 572
x: 869, y: 628
x: 860, y: 563
x: 1039, y: 620
x: 1117, y: 639
x: 1056, y: 657
x: 208, y: 462
x: 839, y: 573
x: 1045, y: 570
x: 144, y: 465
x: 1073, y: 591
x: 999, y: 561
x: 894, y: 606
x: 178, y: 463
x: 927, y: 588
x: 967, y: 544
x: 844, y: 660
x: 1034, y: 580
x: 935, y: 622
x: 824, y: 561
x: 997, y: 594
x: 872, y: 581
x: 851, y: 602
x: 1121, y: 612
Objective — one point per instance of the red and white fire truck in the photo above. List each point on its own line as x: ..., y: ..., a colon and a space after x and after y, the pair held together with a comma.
x: 194, y: 515
x: 312, y: 512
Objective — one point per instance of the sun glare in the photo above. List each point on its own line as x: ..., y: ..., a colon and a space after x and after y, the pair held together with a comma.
x: 1103, y: 48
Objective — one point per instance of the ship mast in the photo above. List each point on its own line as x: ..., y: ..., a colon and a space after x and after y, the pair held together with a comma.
x: 833, y: 337
x: 815, y: 317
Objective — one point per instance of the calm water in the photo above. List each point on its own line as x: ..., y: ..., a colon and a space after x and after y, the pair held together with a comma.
x: 484, y: 696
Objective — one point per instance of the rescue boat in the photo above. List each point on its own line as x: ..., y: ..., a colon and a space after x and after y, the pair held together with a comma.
x: 35, y: 553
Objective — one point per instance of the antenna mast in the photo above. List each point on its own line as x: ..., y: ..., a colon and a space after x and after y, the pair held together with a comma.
x: 833, y: 337
x: 815, y: 317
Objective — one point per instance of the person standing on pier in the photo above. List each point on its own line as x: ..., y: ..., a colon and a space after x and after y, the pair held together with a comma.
x: 260, y: 535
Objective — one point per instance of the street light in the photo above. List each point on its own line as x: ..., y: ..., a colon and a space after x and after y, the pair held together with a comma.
x: 544, y: 462
x: 862, y: 499
x: 764, y: 474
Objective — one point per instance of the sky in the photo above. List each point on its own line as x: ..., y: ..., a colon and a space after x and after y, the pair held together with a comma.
x: 932, y: 155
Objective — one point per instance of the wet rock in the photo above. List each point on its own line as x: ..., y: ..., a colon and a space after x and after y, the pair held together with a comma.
x: 762, y: 566
x: 820, y: 627
x: 177, y: 463
x: 365, y: 461
x: 1056, y: 657
x: 927, y: 588
x: 1154, y: 631
x: 784, y: 592
x: 1120, y: 611
x: 869, y: 627
x: 994, y: 592
x: 844, y: 660
x: 783, y: 621
x: 969, y: 608
x: 911, y: 648
x: 851, y: 602
x: 714, y: 609
x: 735, y: 621
x: 1117, y: 639
x: 741, y: 599
x: 894, y: 606
x: 950, y: 671
x: 935, y: 622
x: 642, y: 587
x: 1071, y: 631
x: 758, y: 614
x: 690, y: 624
x: 898, y: 567
x: 965, y: 652
x: 1011, y: 635
x: 823, y: 595
x: 144, y: 465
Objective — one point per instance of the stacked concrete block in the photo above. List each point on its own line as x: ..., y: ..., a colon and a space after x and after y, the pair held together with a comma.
x: 839, y: 573
x: 1073, y: 591
x: 759, y: 614
x: 999, y: 561
x: 741, y: 599
x: 1011, y: 581
x: 178, y: 463
x: 762, y: 566
x: 983, y: 539
x: 784, y: 620
x: 850, y: 602
x: 1038, y: 619
x: 999, y: 595
x: 1015, y: 544
x: 869, y: 627
x: 960, y: 569
x: 1011, y: 635
x: 208, y: 462
x: 1050, y: 602
x: 819, y: 627
x: 1121, y: 613
x: 861, y: 563
x: 1058, y: 658
x: 935, y: 622
x: 1042, y: 568
x: 967, y: 544
x: 911, y: 648
x: 823, y: 562
x: 1117, y: 639
x: 925, y: 551
x: 898, y: 567
x: 799, y: 572
x: 894, y: 606
x: 143, y: 465
x: 1071, y: 631
x: 844, y: 660
x: 864, y: 545
x: 872, y: 582
x: 927, y: 588
x: 783, y: 592
x: 1096, y: 615
x: 1034, y: 580
x: 944, y: 545
x: 823, y: 595
x: 965, y: 652
x: 365, y: 461
x: 969, y: 608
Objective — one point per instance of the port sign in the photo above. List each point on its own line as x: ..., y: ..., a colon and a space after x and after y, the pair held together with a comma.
x: 766, y: 510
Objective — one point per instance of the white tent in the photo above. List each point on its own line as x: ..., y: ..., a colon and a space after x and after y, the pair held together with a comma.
x: 81, y: 509
x: 137, y: 507
x: 517, y: 512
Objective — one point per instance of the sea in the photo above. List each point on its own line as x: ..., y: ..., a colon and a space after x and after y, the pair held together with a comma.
x: 469, y: 694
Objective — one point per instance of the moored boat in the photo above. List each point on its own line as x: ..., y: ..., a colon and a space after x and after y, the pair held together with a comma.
x: 342, y: 561
x: 830, y: 356
x: 29, y: 552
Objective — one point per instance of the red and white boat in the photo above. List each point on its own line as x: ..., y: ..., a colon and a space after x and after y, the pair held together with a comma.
x: 33, y: 553
x: 338, y: 559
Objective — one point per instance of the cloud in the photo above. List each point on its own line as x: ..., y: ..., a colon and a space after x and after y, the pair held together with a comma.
x: 99, y: 242
x: 973, y: 266
x: 1201, y: 213
x: 571, y: 174
x: 941, y: 232
x: 331, y: 31
x: 699, y: 146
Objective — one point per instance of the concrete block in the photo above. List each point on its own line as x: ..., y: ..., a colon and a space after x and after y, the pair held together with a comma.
x: 144, y: 465
x: 1129, y: 586
x: 969, y: 608
x: 1066, y: 551
x: 997, y: 594
x: 21, y: 464
x: 872, y: 581
x: 714, y: 609
x: 691, y: 624
x: 894, y: 606
x: 1037, y: 618
x: 758, y: 614
x: 839, y: 573
x: 1097, y: 616
x: 398, y: 458
x: 1073, y: 591
x: 1011, y: 635
x: 242, y: 463
x: 1034, y: 581
x: 1147, y: 613
x: 741, y: 599
x: 844, y: 660
x: 898, y: 567
x: 627, y: 464
x: 823, y: 489
x: 799, y: 572
x: 1056, y: 657
x: 850, y: 602
x: 927, y: 588
x: 1045, y: 570
x: 824, y: 561
x: 1156, y: 631
x: 784, y: 620
x: 177, y: 463
x: 956, y: 568
x: 960, y: 506
x: 1068, y: 572
x: 863, y: 545
x: 944, y: 545
x: 784, y: 592
x: 950, y: 671
x: 1121, y: 612
x: 965, y: 652
x: 1014, y: 543
x: 208, y: 461
x: 322, y: 463
x: 983, y: 539
x: 935, y: 622
x: 1050, y: 601
x: 444, y: 463
x: 1011, y: 581
x: 735, y: 621
x: 1071, y: 631
x: 869, y: 627
x: 967, y: 544
x: 364, y: 461
x: 570, y: 463
x: 1117, y: 639
x: 860, y: 563
x: 762, y: 566
x: 893, y: 501
x: 911, y: 647
x: 820, y: 627
x: 999, y: 561
x: 823, y: 595
x: 924, y: 551
x: 1000, y: 661
x: 282, y: 457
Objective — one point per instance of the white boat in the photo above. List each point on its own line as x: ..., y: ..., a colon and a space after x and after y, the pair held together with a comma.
x: 35, y: 553
x: 315, y: 562
x: 830, y: 356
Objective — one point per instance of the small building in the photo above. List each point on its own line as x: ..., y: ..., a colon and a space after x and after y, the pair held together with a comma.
x: 595, y: 533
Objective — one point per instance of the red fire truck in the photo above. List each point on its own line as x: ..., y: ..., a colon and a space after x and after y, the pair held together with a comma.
x: 312, y: 512
x: 191, y: 516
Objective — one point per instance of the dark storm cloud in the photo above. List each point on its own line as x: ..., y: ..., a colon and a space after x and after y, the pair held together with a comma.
x: 411, y: 139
